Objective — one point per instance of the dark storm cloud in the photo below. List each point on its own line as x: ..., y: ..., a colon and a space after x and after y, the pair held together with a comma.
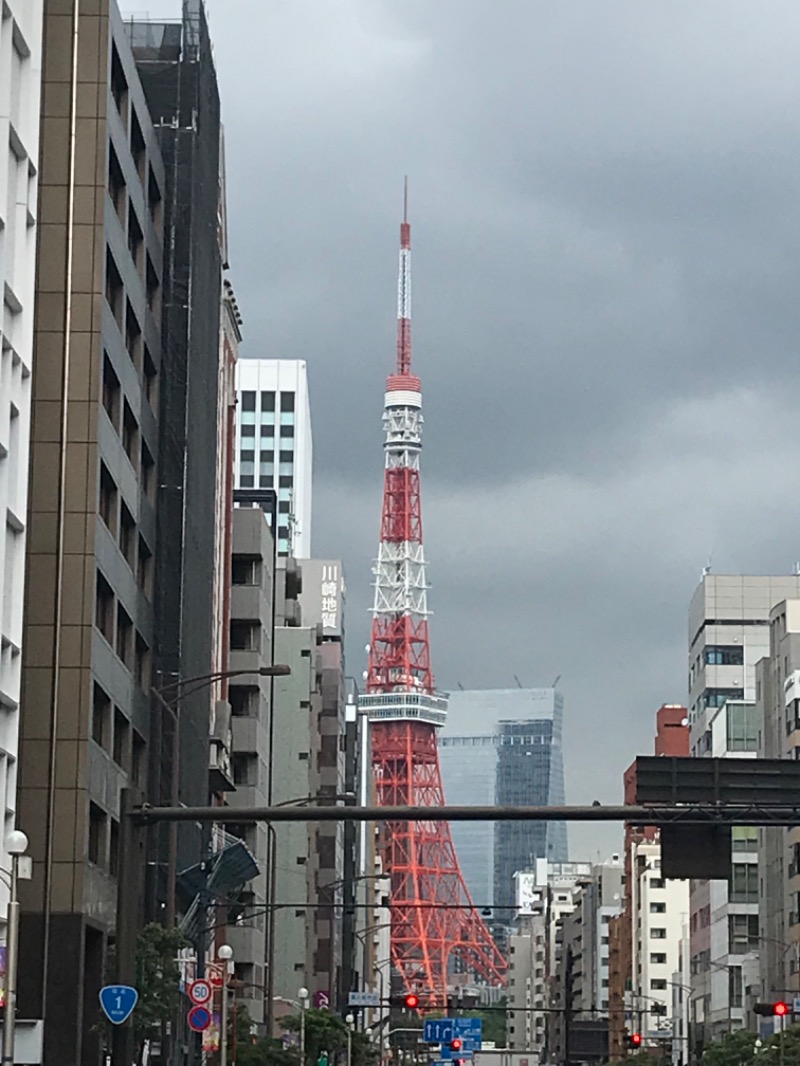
x: 605, y: 225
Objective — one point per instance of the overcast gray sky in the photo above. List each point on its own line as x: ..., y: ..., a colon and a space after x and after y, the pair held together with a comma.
x: 604, y: 214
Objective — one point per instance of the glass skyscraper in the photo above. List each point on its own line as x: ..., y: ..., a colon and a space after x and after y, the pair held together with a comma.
x: 504, y: 746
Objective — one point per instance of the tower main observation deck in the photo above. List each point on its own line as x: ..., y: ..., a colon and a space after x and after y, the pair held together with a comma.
x: 433, y: 916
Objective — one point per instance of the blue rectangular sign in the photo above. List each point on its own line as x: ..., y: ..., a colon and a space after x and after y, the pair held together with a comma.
x: 443, y: 1030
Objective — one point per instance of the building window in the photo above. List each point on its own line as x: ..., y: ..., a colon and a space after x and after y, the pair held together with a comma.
x: 150, y: 375
x: 127, y: 536
x: 267, y: 401
x: 135, y: 241
x: 287, y: 401
x: 101, y: 716
x: 153, y: 289
x: 286, y: 431
x: 657, y: 933
x: 245, y: 570
x: 742, y: 726
x: 97, y: 835
x: 113, y: 847
x: 656, y: 882
x: 247, y: 481
x: 286, y: 482
x: 114, y: 289
x: 111, y: 393
x: 130, y: 434
x: 119, y: 86
x: 744, y: 883
x: 104, y: 608
x: 117, y: 189
x: 121, y: 738
x: 248, y: 430
x: 658, y: 908
x: 146, y: 472
x: 724, y: 655
x: 138, y: 147
x: 154, y: 200
x: 735, y: 986
x: 658, y: 984
x: 133, y: 336
x: 142, y: 664
x: 243, y: 700
x: 716, y: 697
x: 658, y: 958
x: 248, y: 401
x: 743, y: 935
x: 245, y: 636
x: 144, y: 569
x: 124, y: 646
x: 107, y: 505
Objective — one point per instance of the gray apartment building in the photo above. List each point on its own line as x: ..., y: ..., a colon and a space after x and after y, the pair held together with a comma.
x: 504, y: 746
x: 728, y: 633
x: 778, y: 720
x: 90, y: 630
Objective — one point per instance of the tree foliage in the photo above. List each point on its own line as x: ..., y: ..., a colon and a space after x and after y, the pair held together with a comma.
x: 742, y: 1048
x: 157, y: 976
x: 326, y: 1031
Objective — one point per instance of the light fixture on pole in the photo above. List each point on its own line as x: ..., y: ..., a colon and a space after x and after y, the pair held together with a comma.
x: 16, y: 846
x: 225, y: 953
x: 302, y: 995
x: 350, y: 1020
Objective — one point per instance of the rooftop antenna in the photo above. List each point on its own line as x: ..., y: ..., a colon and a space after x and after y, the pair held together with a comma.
x: 707, y: 567
x: 460, y: 685
x: 796, y: 570
x: 556, y: 681
x: 519, y: 683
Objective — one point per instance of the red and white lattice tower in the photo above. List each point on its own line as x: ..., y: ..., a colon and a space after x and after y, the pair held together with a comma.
x: 433, y: 916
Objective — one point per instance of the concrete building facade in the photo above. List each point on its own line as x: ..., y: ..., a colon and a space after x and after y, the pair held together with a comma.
x: 20, y: 82
x: 90, y: 627
x: 659, y: 909
x: 778, y: 715
x: 274, y: 443
x: 729, y: 633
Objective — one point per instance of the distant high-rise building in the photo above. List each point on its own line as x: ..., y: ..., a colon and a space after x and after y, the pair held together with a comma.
x: 274, y: 444
x: 729, y: 632
x: 20, y: 79
x: 504, y: 746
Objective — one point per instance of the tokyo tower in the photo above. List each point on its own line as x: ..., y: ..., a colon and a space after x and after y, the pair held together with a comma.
x: 433, y: 916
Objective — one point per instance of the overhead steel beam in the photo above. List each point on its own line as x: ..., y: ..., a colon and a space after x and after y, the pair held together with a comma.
x: 662, y: 814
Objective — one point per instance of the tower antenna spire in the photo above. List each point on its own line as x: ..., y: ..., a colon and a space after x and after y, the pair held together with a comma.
x: 405, y: 710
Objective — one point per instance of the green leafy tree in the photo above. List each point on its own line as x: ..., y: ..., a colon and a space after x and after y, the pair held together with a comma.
x: 255, y: 1051
x: 734, y: 1049
x: 157, y: 978
x: 771, y: 1054
x: 494, y: 1023
x: 326, y: 1031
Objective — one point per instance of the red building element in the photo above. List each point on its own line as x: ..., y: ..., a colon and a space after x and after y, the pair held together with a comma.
x: 405, y: 710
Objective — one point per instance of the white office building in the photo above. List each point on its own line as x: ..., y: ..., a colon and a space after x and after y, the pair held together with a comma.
x: 659, y: 910
x: 273, y: 443
x: 728, y: 634
x: 20, y: 78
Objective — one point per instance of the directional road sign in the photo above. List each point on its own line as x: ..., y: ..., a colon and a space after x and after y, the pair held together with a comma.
x: 118, y: 1002
x: 363, y: 999
x: 200, y: 992
x: 443, y: 1030
x: 199, y: 1018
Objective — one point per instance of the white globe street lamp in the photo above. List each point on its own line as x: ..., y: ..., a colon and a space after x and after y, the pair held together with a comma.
x: 16, y: 845
x: 225, y: 953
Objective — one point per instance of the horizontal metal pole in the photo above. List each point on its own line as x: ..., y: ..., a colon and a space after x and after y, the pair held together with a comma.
x: 689, y: 814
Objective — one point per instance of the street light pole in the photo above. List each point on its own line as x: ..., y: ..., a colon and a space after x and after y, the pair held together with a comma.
x: 225, y: 953
x: 349, y: 1020
x: 302, y: 995
x: 16, y: 845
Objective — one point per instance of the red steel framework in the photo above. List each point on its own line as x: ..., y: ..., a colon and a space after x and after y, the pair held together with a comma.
x: 405, y: 711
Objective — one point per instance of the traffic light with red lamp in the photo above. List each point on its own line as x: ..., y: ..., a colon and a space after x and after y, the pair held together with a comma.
x: 773, y: 1010
x: 635, y: 1041
x: 456, y: 1044
x: 411, y: 1001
